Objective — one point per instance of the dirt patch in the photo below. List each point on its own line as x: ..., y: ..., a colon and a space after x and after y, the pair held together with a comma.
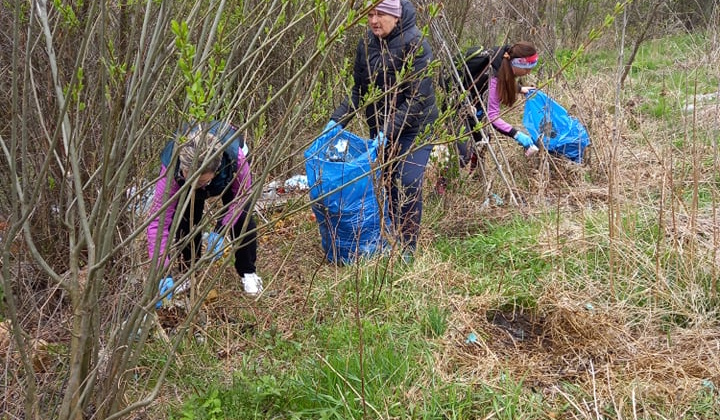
x: 520, y: 327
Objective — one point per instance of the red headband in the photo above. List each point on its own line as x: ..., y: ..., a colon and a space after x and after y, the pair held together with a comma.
x: 525, y: 62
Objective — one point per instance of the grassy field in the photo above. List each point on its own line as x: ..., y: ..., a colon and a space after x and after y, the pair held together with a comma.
x: 595, y: 298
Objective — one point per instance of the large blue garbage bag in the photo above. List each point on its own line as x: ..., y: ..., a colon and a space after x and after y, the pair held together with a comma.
x: 561, y: 133
x: 342, y: 177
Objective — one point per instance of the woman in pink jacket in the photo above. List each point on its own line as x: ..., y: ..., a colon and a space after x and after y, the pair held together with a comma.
x: 197, y: 159
x: 489, y: 76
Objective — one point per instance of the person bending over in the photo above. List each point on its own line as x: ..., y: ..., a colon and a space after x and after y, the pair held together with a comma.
x: 195, y: 157
x: 490, y: 79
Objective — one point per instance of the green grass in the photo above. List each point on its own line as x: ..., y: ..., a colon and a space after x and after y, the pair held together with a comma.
x: 660, y: 71
x: 507, y: 254
x: 323, y: 373
x: 331, y: 379
x: 383, y: 366
x: 436, y: 322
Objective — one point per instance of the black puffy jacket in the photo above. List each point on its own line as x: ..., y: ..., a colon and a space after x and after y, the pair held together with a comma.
x: 474, y: 68
x: 407, y: 104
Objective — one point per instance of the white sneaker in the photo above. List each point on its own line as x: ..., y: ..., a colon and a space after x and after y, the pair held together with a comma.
x: 252, y: 283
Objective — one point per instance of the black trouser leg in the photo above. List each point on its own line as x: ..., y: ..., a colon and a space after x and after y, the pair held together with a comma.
x: 188, y: 226
x: 406, y: 202
x: 246, y: 251
x: 466, y: 149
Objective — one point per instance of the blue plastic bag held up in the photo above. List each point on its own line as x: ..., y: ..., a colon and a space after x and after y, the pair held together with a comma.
x: 341, y: 176
x: 561, y: 133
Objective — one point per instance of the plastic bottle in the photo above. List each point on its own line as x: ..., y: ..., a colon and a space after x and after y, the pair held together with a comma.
x: 336, y: 152
x: 333, y: 155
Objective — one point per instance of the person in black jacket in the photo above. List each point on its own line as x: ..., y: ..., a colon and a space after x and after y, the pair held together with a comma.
x: 393, y: 57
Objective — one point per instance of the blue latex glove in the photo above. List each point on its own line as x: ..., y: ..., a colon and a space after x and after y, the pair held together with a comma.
x: 332, y: 127
x: 215, y: 245
x: 523, y: 139
x: 381, y: 138
x: 165, y: 285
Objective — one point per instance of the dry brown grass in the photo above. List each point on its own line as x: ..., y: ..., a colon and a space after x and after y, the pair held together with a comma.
x: 566, y: 340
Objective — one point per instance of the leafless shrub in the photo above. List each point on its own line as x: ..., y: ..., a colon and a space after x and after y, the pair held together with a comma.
x: 93, y: 93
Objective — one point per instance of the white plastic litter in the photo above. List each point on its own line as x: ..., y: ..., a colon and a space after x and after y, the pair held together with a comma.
x: 139, y: 203
x: 270, y: 191
x: 440, y: 155
x: 297, y: 182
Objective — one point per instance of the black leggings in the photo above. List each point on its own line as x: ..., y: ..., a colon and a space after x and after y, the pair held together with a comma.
x: 465, y: 151
x: 246, y: 249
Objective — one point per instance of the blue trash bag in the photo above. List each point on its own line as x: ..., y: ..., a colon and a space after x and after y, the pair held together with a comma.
x: 341, y: 175
x: 561, y: 133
